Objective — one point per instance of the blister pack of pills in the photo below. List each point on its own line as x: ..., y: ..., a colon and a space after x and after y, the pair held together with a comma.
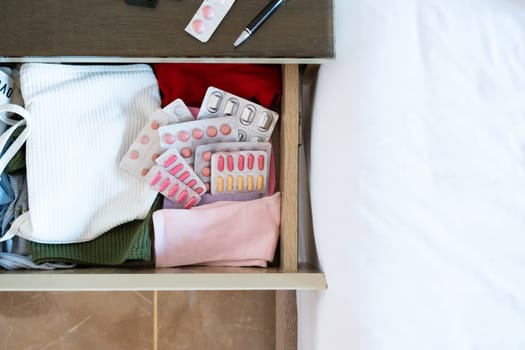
x: 207, y: 18
x: 177, y: 112
x: 187, y: 136
x: 238, y: 172
x: 172, y: 188
x: 255, y: 122
x: 172, y: 161
x: 142, y: 153
x: 203, y: 153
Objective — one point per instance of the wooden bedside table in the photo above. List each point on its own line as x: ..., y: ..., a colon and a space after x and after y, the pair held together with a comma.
x: 110, y: 31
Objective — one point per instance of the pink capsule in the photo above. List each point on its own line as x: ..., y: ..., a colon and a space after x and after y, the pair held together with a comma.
x: 182, y: 196
x: 251, y: 159
x: 240, y: 162
x: 176, y: 169
x: 260, y: 161
x: 199, y: 190
x: 190, y: 203
x: 192, y: 183
x: 173, y: 190
x: 164, y: 185
x: 184, y: 176
x: 156, y: 179
x: 220, y: 163
x: 230, y: 163
x: 170, y: 161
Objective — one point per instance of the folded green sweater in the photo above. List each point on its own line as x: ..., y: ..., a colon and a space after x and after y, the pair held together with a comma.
x: 129, y: 241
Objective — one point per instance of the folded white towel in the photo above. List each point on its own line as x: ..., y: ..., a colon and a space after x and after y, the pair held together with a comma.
x: 82, y: 121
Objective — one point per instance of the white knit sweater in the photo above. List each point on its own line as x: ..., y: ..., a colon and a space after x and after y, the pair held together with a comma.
x: 83, y: 119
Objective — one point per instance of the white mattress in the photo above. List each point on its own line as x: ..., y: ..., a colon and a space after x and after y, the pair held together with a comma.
x: 417, y: 178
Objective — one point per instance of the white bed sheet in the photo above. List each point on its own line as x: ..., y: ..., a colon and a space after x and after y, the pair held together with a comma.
x: 417, y: 178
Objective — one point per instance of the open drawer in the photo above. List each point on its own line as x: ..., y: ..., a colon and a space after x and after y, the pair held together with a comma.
x: 287, y: 275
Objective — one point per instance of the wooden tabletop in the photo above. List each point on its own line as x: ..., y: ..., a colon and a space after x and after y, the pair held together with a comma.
x: 111, y: 29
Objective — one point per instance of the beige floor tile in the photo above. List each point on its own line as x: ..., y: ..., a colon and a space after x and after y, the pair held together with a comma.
x: 216, y: 320
x: 80, y: 320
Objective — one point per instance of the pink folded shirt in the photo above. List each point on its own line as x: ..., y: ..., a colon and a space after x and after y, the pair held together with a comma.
x: 218, y: 234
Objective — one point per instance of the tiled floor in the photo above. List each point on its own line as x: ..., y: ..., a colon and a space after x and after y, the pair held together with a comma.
x: 130, y: 320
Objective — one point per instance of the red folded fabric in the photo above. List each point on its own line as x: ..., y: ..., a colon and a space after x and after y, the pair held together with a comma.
x: 189, y: 81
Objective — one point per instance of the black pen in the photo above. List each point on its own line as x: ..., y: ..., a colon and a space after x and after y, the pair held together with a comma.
x: 258, y: 21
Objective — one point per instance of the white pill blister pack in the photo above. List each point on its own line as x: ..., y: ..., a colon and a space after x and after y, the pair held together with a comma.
x: 207, y: 18
x: 255, y: 122
x: 172, y: 161
x: 141, y: 155
x: 203, y: 154
x: 239, y: 172
x: 187, y: 136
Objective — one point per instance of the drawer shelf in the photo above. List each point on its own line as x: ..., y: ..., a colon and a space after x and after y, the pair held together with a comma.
x: 286, y: 276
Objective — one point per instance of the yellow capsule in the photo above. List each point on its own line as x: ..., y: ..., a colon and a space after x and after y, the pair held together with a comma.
x: 220, y: 184
x: 260, y: 182
x: 240, y: 184
x: 229, y: 185
x: 249, y: 185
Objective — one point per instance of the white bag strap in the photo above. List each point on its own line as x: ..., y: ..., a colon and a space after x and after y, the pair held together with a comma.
x: 17, y: 144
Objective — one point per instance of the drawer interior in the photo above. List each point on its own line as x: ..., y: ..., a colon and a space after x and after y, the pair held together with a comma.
x: 284, y: 273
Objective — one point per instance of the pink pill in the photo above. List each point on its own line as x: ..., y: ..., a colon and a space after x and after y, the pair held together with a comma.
x: 251, y: 159
x: 208, y: 12
x: 156, y: 179
x: 154, y: 125
x: 198, y: 26
x: 211, y: 131
x: 164, y: 185
x: 190, y: 203
x: 220, y: 163
x: 199, y: 190
x: 144, y: 172
x: 184, y: 176
x: 182, y: 196
x: 176, y: 169
x: 134, y: 155
x: 197, y: 134
x: 240, y: 162
x: 206, y: 171
x: 173, y: 190
x: 230, y: 163
x: 186, y: 152
x: 154, y: 156
x: 192, y: 183
x: 260, y: 161
x: 170, y: 161
x: 144, y: 140
x: 206, y: 156
x: 183, y: 136
x: 226, y: 129
x: 169, y: 138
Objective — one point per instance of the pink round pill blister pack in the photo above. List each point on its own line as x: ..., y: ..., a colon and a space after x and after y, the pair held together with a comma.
x: 187, y: 136
x: 207, y: 18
